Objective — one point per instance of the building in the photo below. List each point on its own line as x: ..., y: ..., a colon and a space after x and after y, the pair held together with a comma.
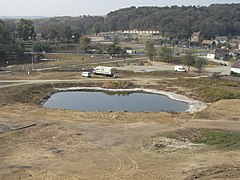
x: 211, y: 55
x: 196, y: 37
x: 221, y: 39
x: 140, y: 32
x: 221, y: 54
x: 235, y: 69
x: 208, y: 43
x: 96, y: 38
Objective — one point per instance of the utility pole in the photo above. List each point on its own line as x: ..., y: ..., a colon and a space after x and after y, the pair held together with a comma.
x: 32, y: 59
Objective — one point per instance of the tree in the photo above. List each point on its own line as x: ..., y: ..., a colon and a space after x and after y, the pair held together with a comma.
x: 76, y: 35
x: 166, y: 53
x: 17, y: 48
x: 115, y: 39
x: 84, y: 40
x: 4, y: 39
x: 97, y: 28
x: 4, y: 33
x: 189, y: 59
x: 40, y: 47
x: 114, y: 49
x: 68, y: 33
x: 50, y: 33
x: 25, y: 29
x: 150, y: 50
x: 8, y: 46
x: 199, y: 64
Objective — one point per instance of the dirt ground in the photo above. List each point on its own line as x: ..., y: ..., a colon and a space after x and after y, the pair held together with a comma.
x: 39, y: 143
x: 64, y: 144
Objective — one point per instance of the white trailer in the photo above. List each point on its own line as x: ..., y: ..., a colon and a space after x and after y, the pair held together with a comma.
x: 103, y: 70
x: 235, y: 70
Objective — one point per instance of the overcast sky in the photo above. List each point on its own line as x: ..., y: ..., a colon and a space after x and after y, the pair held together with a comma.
x: 86, y: 7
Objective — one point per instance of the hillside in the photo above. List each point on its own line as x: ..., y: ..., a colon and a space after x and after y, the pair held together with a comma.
x: 174, y: 21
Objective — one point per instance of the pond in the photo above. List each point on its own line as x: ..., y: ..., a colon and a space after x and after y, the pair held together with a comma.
x: 114, y: 101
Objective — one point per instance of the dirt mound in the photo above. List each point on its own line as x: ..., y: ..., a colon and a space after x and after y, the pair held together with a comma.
x: 224, y: 171
x: 221, y: 110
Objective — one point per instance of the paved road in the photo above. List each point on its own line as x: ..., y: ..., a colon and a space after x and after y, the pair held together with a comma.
x: 159, y: 66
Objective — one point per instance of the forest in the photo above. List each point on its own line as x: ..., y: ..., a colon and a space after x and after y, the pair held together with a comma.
x: 179, y: 22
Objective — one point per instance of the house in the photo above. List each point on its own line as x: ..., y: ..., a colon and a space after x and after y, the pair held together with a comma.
x: 208, y: 43
x: 221, y: 39
x: 211, y: 55
x: 235, y: 69
x: 96, y: 38
x: 235, y: 54
x: 196, y: 37
x: 221, y: 54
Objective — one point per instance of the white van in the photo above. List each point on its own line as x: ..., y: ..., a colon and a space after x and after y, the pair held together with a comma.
x: 179, y: 69
x: 86, y: 74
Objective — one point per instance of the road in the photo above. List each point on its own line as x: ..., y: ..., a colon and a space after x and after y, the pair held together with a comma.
x: 160, y: 66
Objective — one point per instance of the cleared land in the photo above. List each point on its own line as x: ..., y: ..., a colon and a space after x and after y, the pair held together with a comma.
x: 39, y: 143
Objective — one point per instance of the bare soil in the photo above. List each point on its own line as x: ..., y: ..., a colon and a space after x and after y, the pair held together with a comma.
x: 68, y: 144
x: 65, y: 144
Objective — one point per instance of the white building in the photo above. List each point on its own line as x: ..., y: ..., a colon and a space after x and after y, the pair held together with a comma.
x: 211, y: 55
x: 140, y: 32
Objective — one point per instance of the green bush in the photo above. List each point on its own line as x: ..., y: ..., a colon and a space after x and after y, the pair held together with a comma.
x: 212, y: 137
x: 43, y: 47
x: 118, y: 84
x: 215, y: 94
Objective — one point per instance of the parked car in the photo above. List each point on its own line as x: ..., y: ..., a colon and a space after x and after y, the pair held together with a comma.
x: 86, y: 74
x: 179, y: 69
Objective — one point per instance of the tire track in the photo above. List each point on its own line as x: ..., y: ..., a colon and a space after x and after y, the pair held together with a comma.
x: 126, y: 166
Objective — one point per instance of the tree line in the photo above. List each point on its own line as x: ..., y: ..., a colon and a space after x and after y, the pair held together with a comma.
x: 11, y: 45
x: 173, y: 22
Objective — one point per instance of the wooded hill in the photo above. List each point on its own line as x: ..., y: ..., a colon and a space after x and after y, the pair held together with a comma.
x: 217, y: 19
x: 174, y: 21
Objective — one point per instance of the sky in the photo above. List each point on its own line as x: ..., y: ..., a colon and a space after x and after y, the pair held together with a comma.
x: 87, y: 7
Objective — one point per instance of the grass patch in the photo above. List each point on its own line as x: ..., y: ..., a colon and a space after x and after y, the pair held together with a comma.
x: 6, y: 83
x: 118, y: 85
x: 211, y: 90
x: 212, y: 137
x: 34, y: 94
x: 31, y: 94
x: 215, y: 94
x: 223, y: 139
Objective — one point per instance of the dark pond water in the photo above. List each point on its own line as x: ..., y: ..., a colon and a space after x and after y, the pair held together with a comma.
x: 114, y: 101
